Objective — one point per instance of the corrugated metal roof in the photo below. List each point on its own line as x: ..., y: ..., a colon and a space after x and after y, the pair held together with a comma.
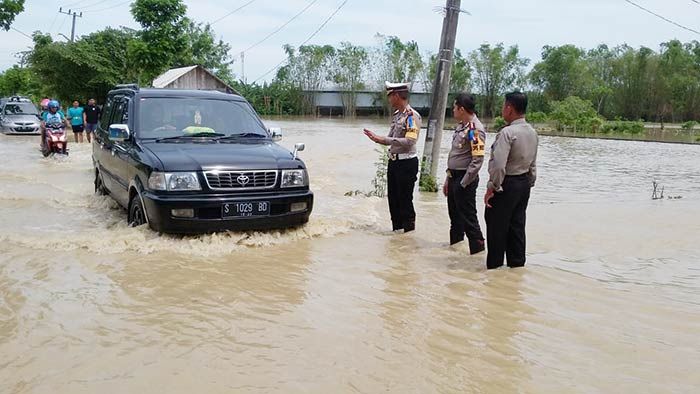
x: 169, y: 76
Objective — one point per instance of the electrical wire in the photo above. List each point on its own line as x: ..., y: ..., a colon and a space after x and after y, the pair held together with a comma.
x: 108, y: 8
x: 664, y: 18
x: 22, y: 33
x: 233, y: 12
x: 307, y: 40
x: 89, y: 5
x: 281, y: 27
x: 72, y: 4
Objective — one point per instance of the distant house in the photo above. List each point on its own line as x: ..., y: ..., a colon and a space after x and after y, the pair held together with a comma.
x: 192, y: 77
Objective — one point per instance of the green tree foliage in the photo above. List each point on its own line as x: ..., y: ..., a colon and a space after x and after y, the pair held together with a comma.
x: 398, y: 61
x: 202, y: 48
x: 350, y: 64
x: 575, y: 114
x: 307, y: 69
x: 496, y: 70
x: 86, y: 68
x: 162, y: 39
x: 560, y: 74
x: 16, y: 80
x: 9, y: 9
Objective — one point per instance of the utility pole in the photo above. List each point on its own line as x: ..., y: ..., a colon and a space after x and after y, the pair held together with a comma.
x: 243, y: 67
x: 74, y: 15
x: 441, y: 88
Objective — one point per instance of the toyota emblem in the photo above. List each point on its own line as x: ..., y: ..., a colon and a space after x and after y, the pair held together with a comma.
x: 243, y: 180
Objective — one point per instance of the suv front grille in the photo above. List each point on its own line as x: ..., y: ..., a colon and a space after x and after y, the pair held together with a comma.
x: 241, y: 180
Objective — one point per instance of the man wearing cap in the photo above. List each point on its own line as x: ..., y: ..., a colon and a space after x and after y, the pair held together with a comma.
x: 402, y: 171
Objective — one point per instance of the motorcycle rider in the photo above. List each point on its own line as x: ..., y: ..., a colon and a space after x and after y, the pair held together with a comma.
x: 54, y: 115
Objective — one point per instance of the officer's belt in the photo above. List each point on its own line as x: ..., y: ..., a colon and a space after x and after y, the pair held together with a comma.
x: 402, y: 156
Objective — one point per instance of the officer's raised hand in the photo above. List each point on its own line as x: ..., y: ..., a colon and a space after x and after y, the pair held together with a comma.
x: 372, y: 136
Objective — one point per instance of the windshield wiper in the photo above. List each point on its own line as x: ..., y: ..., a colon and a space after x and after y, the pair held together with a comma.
x: 188, y: 136
x: 242, y: 135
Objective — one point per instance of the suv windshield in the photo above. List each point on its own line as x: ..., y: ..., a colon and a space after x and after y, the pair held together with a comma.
x: 20, y: 109
x: 181, y: 117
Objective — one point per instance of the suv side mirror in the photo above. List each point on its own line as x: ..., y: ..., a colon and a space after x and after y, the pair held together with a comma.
x: 119, y: 132
x: 276, y: 133
x: 298, y: 147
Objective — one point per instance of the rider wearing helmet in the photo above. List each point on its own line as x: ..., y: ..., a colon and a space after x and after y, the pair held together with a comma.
x: 54, y: 115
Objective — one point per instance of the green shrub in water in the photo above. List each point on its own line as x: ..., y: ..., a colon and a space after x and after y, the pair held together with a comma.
x: 537, y: 117
x: 689, y: 125
x: 623, y: 126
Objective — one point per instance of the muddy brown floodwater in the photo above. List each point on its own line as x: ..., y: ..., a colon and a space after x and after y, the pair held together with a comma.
x: 609, y: 300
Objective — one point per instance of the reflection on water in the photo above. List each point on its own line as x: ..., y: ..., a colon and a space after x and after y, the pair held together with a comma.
x: 609, y: 301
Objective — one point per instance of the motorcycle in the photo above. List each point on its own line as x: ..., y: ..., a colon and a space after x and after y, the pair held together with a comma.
x: 56, y: 140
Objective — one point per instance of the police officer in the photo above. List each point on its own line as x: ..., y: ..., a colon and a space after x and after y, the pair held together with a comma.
x: 463, y: 164
x: 512, y: 172
x: 402, y: 171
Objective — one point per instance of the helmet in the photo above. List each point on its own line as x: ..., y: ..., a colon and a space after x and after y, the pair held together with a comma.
x: 53, y: 104
x: 45, y: 102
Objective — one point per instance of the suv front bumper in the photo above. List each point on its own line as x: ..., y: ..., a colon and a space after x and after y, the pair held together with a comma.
x: 208, y: 216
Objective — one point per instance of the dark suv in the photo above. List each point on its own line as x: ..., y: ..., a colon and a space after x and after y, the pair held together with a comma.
x: 190, y: 161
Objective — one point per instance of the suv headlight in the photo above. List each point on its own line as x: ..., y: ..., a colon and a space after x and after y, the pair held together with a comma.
x: 174, y: 181
x: 294, y: 178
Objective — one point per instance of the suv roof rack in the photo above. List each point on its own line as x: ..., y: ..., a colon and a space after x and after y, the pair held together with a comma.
x: 133, y: 86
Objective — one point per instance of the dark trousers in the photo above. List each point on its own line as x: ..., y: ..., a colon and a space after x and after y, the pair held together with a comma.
x: 505, y: 223
x: 401, y: 179
x: 461, y: 205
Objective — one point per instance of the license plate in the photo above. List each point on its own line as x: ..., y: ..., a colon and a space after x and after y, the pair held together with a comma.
x: 246, y: 209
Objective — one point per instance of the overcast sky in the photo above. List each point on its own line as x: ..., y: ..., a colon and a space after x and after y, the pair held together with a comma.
x: 528, y: 23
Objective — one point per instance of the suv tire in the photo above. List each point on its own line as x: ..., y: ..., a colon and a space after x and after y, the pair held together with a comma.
x: 137, y: 215
x: 99, y: 185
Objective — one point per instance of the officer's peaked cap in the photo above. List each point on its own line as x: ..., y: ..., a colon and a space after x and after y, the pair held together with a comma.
x: 396, y: 87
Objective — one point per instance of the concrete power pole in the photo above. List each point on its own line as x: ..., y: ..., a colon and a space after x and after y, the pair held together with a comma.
x: 441, y: 88
x: 243, y: 67
x: 74, y: 15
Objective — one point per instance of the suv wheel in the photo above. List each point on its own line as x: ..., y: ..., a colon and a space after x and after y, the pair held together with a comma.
x: 99, y: 185
x: 137, y: 216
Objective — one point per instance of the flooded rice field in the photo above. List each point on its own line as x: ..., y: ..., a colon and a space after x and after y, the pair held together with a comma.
x: 609, y: 300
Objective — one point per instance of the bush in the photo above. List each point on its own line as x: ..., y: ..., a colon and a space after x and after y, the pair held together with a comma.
x: 623, y: 126
x: 498, y: 123
x: 574, y: 113
x: 537, y: 117
x: 689, y: 125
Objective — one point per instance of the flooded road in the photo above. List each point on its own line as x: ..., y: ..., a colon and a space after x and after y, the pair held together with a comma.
x: 609, y: 300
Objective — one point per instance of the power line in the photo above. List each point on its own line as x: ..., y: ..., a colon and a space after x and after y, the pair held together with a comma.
x: 663, y: 17
x: 72, y: 4
x: 22, y: 33
x: 281, y: 27
x: 63, y: 22
x: 233, y: 12
x: 307, y: 40
x: 108, y: 8
x: 82, y: 7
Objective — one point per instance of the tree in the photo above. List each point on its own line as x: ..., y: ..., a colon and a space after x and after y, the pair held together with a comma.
x: 87, y: 68
x: 307, y: 69
x: 162, y: 39
x: 9, y: 9
x: 460, y: 76
x: 398, y: 61
x: 496, y: 70
x: 350, y: 64
x: 576, y: 114
x: 16, y: 80
x: 202, y: 48
x: 561, y: 73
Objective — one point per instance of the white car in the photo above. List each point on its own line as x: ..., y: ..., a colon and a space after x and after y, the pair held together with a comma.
x: 19, y: 116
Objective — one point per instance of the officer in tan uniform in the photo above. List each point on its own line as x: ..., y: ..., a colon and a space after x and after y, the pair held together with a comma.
x: 512, y: 173
x: 402, y: 171
x: 463, y: 164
